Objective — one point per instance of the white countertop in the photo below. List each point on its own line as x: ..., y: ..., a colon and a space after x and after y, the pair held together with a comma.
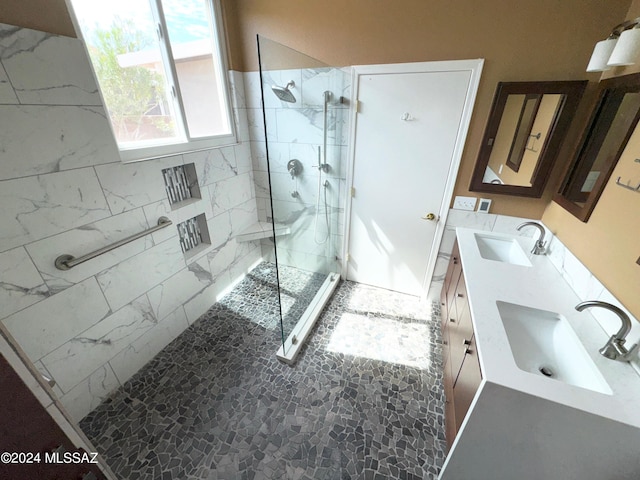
x: 540, y: 286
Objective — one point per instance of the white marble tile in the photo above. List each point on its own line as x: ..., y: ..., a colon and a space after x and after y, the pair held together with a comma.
x: 201, y: 302
x: 299, y: 125
x: 507, y: 224
x: 236, y: 82
x: 20, y: 283
x: 131, y: 278
x: 243, y: 157
x: 315, y: 81
x: 85, y: 239
x: 462, y: 218
x: 89, y: 393
x: 245, y: 263
x: 230, y: 193
x: 130, y: 360
x: 36, y: 207
x: 576, y: 274
x: 213, y: 165
x: 242, y: 125
x: 132, y: 185
x: 47, y: 69
x: 162, y: 209
x: 242, y: 216
x: 220, y: 229
x: 46, y: 325
x: 45, y: 139
x: 556, y: 253
x: 255, y: 121
x: 7, y: 95
x: 253, y: 93
x: 448, y: 240
x: 92, y: 348
x: 259, y: 156
x: 180, y: 288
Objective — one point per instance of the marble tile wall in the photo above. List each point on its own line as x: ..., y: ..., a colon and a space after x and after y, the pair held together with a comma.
x: 582, y: 281
x: 63, y: 190
x: 295, y: 131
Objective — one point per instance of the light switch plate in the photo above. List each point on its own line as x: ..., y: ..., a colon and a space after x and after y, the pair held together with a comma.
x: 465, y: 203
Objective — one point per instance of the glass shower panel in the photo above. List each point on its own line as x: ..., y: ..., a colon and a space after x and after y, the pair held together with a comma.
x: 306, y: 117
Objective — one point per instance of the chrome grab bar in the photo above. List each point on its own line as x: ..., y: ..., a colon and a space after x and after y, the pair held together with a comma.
x: 66, y: 261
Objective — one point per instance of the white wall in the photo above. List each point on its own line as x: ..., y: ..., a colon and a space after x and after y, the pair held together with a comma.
x: 63, y: 189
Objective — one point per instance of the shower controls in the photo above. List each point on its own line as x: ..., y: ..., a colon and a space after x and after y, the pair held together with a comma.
x: 294, y: 167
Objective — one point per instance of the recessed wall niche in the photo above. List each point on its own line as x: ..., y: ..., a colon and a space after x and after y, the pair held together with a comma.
x: 181, y: 184
x: 194, y: 235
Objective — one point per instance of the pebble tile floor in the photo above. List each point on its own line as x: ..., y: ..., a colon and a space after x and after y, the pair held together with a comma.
x: 363, y: 401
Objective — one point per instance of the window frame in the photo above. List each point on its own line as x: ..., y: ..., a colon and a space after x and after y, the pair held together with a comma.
x: 184, y: 144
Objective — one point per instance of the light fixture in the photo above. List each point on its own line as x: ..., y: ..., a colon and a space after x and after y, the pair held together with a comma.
x: 622, y: 47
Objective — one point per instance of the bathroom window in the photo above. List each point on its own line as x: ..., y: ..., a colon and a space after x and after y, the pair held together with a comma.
x: 161, y: 72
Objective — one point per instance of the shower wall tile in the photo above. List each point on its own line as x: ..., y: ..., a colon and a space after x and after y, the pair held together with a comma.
x: 90, y: 392
x: 163, y: 209
x: 7, y: 94
x: 299, y: 126
x: 180, y: 288
x: 259, y: 156
x: 36, y: 207
x: 230, y: 192
x: 132, y: 185
x: 85, y: 239
x: 46, y: 325
x: 255, y: 121
x: 252, y: 90
x: 135, y: 355
x: 45, y: 139
x: 131, y: 278
x: 63, y: 189
x: 213, y: 165
x: 83, y: 354
x: 220, y: 229
x: 243, y: 158
x: 243, y: 216
x: 47, y: 69
x: 21, y: 285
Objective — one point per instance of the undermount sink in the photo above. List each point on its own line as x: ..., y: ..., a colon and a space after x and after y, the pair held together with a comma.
x: 543, y: 343
x: 501, y: 249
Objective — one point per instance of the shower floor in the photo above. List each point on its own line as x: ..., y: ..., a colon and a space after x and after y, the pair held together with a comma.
x: 364, y: 400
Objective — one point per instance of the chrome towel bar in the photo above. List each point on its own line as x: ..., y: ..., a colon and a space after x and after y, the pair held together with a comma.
x: 65, y: 262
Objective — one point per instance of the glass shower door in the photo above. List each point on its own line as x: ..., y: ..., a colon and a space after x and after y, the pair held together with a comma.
x: 305, y: 118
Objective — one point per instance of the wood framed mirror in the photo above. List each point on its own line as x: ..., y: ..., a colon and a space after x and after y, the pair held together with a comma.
x: 526, y: 126
x: 613, y: 120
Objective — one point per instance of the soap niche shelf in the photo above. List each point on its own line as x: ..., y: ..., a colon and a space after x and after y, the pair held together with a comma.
x: 194, y: 236
x: 181, y: 185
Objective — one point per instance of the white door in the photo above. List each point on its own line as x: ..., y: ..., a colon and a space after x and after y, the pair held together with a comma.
x: 409, y: 131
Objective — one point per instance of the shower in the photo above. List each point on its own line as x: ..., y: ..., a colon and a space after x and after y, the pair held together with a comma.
x: 283, y: 93
x: 301, y: 134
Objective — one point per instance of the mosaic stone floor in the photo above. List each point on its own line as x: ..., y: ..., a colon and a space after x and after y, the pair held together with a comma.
x: 364, y: 400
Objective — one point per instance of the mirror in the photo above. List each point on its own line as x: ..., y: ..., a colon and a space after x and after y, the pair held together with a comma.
x: 526, y: 126
x: 613, y: 121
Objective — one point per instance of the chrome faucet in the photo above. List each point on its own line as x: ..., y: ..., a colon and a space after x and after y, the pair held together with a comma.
x: 614, y: 349
x: 539, y: 246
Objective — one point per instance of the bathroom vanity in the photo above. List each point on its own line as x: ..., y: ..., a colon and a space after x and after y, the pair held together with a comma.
x: 528, y: 394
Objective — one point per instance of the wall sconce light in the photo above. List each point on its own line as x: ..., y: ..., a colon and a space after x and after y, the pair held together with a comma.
x: 622, y: 47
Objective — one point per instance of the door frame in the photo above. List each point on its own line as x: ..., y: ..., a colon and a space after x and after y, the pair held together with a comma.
x: 475, y: 68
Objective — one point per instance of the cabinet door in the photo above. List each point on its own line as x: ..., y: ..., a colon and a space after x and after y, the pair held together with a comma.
x: 467, y: 383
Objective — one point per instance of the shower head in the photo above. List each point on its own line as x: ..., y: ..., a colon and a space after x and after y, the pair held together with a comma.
x: 283, y: 93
